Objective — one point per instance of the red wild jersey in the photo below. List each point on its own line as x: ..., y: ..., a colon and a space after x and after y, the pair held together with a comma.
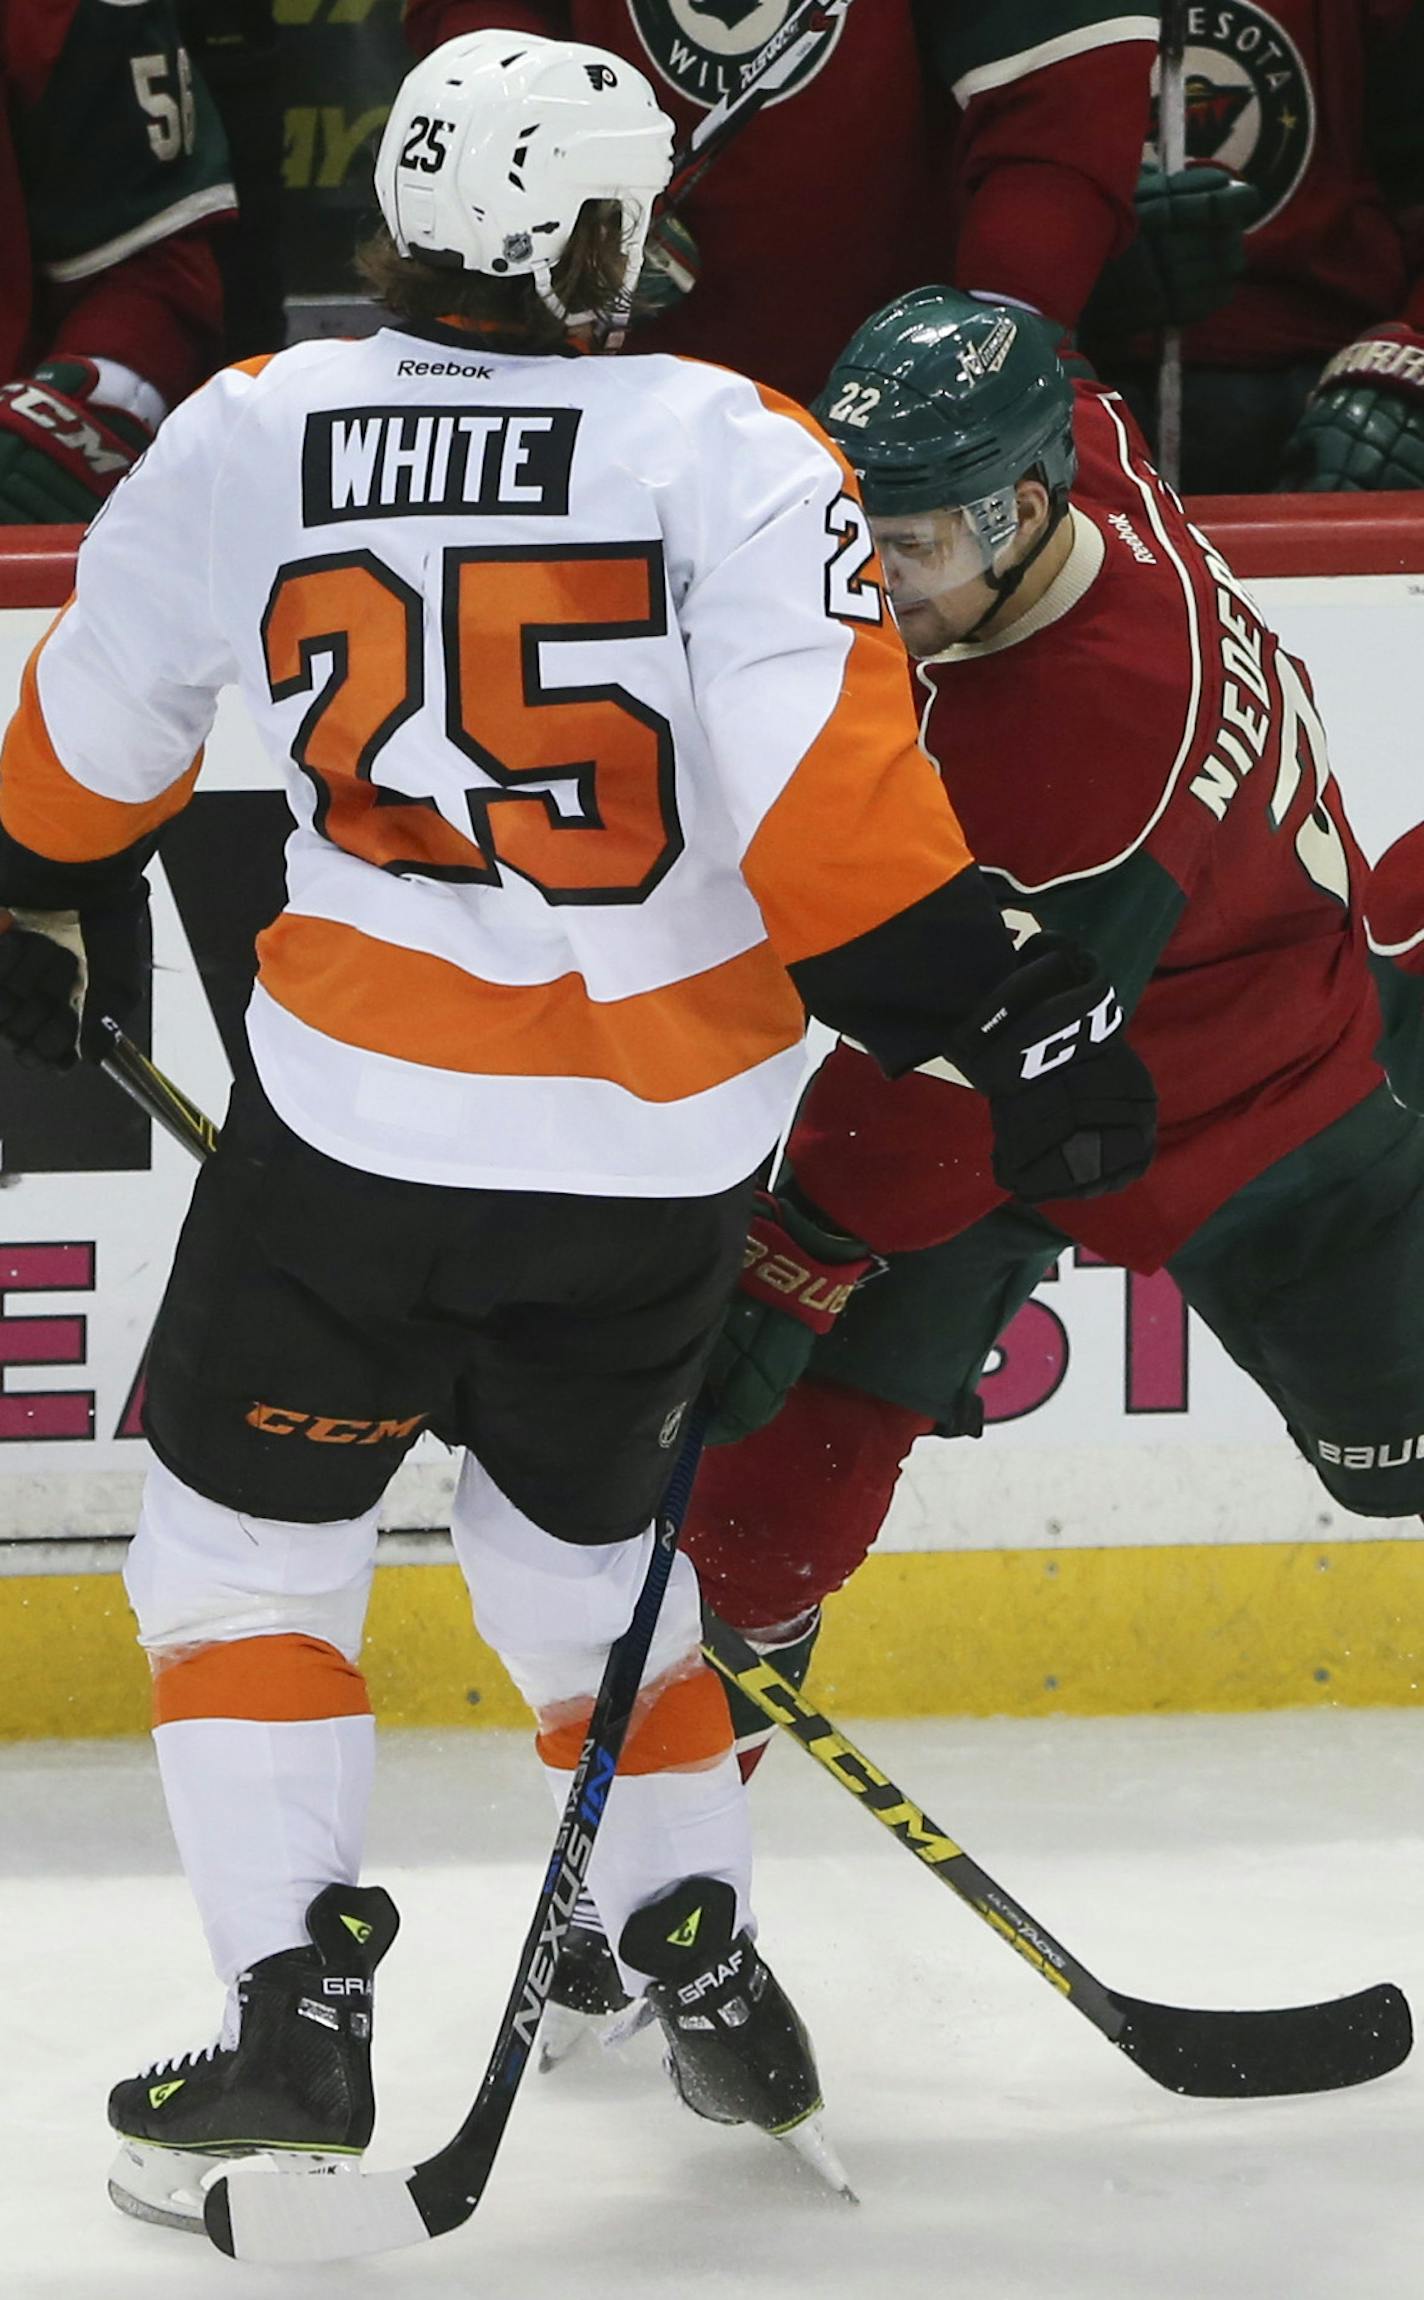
x: 1141, y: 765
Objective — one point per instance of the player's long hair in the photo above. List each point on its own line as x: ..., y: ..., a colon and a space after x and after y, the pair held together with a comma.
x: 587, y: 280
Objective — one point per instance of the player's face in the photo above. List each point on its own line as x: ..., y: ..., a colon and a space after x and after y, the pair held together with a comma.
x: 934, y: 572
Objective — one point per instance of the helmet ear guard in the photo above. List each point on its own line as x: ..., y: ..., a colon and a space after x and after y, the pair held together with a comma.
x: 497, y: 141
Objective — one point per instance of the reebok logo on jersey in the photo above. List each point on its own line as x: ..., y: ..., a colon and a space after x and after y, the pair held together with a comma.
x: 444, y: 367
x: 401, y: 462
x: 1122, y: 525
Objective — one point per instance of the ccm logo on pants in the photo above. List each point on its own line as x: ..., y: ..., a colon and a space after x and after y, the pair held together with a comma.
x: 328, y: 1429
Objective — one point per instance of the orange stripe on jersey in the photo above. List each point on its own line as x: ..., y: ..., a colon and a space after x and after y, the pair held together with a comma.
x: 661, y: 1045
x: 684, y: 1726
x: 864, y: 828
x: 46, y: 809
x: 280, y: 1680
x: 254, y: 365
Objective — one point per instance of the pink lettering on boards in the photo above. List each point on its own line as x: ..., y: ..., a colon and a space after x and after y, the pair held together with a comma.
x: 40, y: 1415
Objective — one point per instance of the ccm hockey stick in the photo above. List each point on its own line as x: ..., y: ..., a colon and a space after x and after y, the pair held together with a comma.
x: 1210, y: 2055
x: 294, y: 2217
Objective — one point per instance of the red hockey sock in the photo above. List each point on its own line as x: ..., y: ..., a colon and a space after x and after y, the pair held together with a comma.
x: 780, y: 1520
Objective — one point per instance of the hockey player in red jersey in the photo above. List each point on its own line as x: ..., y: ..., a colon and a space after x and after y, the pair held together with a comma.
x: 112, y: 170
x: 1138, y: 762
x: 604, y: 763
x: 1311, y: 376
x: 997, y: 146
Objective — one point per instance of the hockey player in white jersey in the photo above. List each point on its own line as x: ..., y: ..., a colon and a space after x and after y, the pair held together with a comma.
x: 604, y: 766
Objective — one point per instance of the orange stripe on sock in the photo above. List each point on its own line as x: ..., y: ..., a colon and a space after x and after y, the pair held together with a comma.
x: 681, y: 1724
x: 271, y: 1680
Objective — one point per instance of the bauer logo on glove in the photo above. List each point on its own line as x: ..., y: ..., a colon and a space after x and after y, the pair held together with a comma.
x: 820, y: 1297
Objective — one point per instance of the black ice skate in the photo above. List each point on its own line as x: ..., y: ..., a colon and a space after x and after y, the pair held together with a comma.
x: 290, y: 2074
x: 738, y: 2052
x: 587, y: 1995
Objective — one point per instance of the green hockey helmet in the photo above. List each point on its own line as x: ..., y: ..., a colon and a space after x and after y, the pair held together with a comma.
x: 943, y: 403
x: 940, y: 400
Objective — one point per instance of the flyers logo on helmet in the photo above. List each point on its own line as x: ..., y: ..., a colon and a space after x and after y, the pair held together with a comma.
x: 703, y: 48
x: 1250, y: 104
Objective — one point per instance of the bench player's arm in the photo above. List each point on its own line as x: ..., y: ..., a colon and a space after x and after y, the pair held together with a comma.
x: 1040, y: 206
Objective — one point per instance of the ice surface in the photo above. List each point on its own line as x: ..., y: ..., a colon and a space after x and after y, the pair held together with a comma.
x: 1002, y: 2150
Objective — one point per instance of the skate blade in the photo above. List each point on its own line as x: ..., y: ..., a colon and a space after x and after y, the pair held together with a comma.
x: 164, y: 2186
x: 809, y: 2141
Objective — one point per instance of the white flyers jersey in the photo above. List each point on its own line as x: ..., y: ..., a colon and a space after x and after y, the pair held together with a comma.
x: 590, y: 716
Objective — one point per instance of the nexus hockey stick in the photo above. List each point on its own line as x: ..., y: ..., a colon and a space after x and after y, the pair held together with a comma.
x: 1210, y: 2055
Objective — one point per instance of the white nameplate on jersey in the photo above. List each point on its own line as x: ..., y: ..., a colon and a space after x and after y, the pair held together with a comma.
x: 400, y: 462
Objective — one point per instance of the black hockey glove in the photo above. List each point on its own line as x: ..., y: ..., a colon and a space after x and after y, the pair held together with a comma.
x: 62, y: 971
x: 1074, y: 1110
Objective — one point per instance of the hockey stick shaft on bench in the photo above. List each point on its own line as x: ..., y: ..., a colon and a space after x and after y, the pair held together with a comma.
x: 1212, y: 2055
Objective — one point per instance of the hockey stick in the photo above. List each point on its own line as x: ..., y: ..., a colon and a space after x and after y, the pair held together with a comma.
x: 1172, y: 153
x: 1210, y: 2055
x: 156, y: 1095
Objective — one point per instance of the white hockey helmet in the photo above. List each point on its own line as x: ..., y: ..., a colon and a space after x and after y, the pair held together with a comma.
x: 496, y: 140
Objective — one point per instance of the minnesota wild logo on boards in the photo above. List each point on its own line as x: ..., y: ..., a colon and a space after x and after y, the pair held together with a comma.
x: 704, y: 48
x: 1250, y: 105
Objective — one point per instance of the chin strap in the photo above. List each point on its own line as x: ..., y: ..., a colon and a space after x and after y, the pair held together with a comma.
x: 1005, y: 584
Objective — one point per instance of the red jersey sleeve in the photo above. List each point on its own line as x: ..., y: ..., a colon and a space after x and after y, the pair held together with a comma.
x: 1040, y: 206
x: 160, y: 313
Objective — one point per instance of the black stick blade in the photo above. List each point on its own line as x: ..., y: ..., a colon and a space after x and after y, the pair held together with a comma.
x: 1253, y: 2055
